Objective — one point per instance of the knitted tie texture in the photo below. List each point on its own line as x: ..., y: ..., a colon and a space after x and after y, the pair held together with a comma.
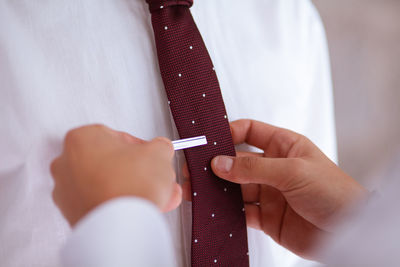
x: 219, y: 234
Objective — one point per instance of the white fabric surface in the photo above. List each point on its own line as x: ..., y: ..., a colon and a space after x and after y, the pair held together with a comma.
x: 124, y: 232
x: 372, y: 237
x: 64, y: 64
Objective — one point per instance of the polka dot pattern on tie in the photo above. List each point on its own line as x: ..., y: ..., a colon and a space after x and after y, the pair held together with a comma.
x: 219, y: 233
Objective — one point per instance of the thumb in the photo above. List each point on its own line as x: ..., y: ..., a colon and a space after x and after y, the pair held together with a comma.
x: 279, y: 173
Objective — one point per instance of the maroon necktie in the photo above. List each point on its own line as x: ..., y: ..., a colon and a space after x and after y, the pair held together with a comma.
x: 219, y: 234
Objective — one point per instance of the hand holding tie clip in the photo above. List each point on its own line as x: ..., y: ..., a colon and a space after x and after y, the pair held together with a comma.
x: 189, y: 142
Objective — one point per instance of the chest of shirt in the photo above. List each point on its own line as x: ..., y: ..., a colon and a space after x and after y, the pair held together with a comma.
x: 97, y: 64
x: 64, y: 64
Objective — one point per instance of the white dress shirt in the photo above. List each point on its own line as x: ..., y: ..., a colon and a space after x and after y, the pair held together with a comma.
x: 123, y: 232
x: 66, y: 63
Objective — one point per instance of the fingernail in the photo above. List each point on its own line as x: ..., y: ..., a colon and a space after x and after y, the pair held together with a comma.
x: 223, y: 164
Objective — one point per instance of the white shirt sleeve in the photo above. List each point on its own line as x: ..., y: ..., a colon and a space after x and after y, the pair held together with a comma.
x: 372, y: 236
x: 122, y: 232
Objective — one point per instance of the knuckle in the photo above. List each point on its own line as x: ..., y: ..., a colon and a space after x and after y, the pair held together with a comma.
x: 302, y: 139
x: 247, y: 163
x: 286, y: 139
x: 98, y: 126
x: 76, y: 135
x: 54, y: 167
x: 243, y: 169
x: 71, y: 137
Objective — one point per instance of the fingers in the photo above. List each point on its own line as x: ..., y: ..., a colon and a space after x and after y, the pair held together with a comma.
x: 250, y: 192
x: 267, y: 212
x: 94, y: 135
x: 129, y: 138
x: 55, y: 166
x: 278, y: 173
x: 175, y: 200
x: 276, y: 142
x: 57, y: 170
x: 246, y: 131
x: 187, y: 191
x: 162, y: 142
x: 272, y: 210
x: 267, y: 216
x: 186, y: 186
x: 278, y: 220
x: 253, y: 216
x: 249, y: 154
x: 294, y: 232
x: 162, y: 146
x: 185, y: 171
x: 185, y: 168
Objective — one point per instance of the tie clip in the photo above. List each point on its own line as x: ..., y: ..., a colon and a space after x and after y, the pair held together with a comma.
x: 190, y: 142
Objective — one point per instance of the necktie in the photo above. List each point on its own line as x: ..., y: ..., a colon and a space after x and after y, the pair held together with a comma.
x: 219, y: 235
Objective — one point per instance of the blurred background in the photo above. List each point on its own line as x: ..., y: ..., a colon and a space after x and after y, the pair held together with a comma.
x: 364, y: 42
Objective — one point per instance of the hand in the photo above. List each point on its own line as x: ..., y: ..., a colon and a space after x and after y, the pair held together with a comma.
x: 292, y: 191
x: 99, y: 164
